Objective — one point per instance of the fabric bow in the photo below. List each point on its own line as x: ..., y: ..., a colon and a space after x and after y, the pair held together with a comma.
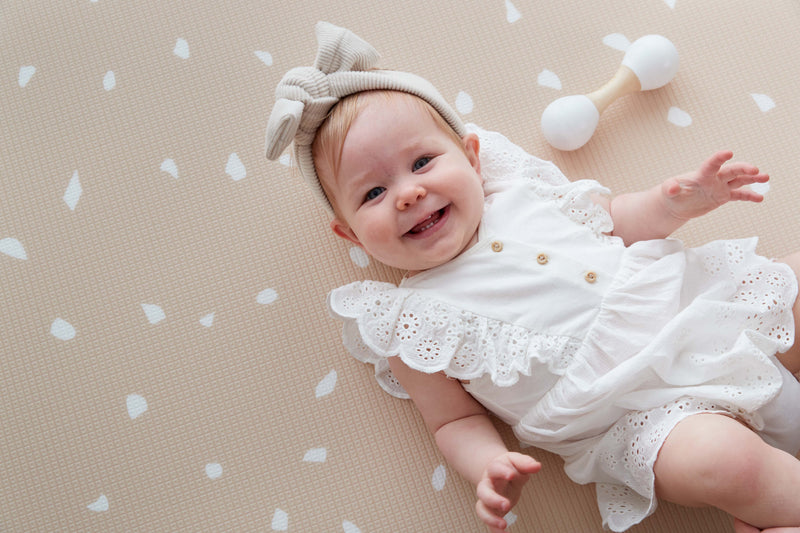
x: 344, y: 66
x: 305, y: 94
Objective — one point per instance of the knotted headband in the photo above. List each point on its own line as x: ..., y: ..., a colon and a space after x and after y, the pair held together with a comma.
x: 305, y: 96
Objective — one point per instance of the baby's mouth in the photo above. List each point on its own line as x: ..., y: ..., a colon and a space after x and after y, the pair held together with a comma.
x: 428, y: 223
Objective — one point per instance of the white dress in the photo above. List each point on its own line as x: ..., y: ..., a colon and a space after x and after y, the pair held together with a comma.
x: 587, y: 348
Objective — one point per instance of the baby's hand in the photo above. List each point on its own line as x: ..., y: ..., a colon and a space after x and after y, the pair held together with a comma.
x: 501, y: 486
x: 696, y: 193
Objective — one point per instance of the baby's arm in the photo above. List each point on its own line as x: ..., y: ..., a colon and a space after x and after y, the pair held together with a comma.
x: 659, y: 211
x: 469, y: 442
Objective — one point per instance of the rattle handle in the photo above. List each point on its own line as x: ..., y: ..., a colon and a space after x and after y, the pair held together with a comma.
x: 623, y: 82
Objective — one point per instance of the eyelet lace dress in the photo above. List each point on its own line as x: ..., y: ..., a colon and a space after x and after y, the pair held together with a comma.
x: 587, y: 348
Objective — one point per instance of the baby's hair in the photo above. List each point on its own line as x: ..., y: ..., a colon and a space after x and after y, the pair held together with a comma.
x: 329, y: 141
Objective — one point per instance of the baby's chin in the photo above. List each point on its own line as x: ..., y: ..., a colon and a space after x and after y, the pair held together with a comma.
x: 414, y: 272
x: 412, y: 268
x: 415, y: 267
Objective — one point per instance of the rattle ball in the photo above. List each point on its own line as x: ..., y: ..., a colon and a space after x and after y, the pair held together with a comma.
x: 649, y: 63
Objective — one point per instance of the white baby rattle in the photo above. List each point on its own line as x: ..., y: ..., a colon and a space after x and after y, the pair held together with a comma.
x: 649, y: 63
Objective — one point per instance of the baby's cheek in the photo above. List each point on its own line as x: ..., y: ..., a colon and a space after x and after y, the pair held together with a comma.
x: 370, y: 242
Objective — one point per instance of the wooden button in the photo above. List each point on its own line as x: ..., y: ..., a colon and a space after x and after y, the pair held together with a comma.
x: 497, y: 246
x: 590, y: 277
x: 542, y: 259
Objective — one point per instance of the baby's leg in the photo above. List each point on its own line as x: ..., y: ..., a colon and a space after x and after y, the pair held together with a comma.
x: 713, y: 460
x: 791, y: 359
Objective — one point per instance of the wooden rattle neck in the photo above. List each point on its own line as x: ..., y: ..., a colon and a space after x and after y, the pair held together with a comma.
x: 624, y: 82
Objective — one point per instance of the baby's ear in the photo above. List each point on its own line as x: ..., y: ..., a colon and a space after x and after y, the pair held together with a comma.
x: 342, y: 230
x: 472, y: 146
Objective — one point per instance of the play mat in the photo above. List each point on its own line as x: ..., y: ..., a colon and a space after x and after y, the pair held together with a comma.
x: 167, y: 362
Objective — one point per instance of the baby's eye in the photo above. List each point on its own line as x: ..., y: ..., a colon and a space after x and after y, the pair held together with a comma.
x: 421, y: 162
x: 374, y: 193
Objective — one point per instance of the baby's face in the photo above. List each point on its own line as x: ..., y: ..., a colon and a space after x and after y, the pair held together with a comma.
x: 406, y: 191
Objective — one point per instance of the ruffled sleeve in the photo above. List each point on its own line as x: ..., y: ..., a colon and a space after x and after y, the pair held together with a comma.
x: 430, y: 335
x: 503, y: 161
x: 577, y: 200
x: 505, y: 164
x: 366, y: 303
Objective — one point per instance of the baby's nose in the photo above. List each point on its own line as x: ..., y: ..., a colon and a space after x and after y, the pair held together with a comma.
x: 409, y: 196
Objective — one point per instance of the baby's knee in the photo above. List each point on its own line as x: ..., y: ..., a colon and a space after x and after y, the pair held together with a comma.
x: 734, y: 473
x: 711, y: 460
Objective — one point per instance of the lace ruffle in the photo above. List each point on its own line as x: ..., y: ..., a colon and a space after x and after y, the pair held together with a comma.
x: 381, y: 320
x: 631, y: 448
x: 503, y: 162
x: 575, y: 199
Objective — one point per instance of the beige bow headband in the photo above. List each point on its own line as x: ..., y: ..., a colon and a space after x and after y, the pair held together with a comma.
x: 305, y: 96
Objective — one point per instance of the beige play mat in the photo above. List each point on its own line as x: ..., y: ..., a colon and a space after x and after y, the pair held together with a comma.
x: 167, y: 360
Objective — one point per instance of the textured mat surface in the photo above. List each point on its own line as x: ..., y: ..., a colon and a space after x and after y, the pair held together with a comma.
x: 167, y: 360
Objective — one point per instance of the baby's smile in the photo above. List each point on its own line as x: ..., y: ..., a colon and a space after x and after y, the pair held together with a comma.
x: 431, y: 222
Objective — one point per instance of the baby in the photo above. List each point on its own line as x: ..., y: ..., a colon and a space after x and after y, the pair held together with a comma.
x: 654, y: 370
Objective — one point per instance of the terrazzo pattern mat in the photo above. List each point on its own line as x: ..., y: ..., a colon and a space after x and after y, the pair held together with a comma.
x: 167, y: 362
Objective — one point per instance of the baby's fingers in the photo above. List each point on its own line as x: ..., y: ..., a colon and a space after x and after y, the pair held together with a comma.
x: 712, y: 165
x: 503, y: 469
x: 739, y: 170
x: 740, y: 180
x: 492, y: 499
x: 495, y: 522
x: 738, y: 189
x: 746, y: 195
x: 524, y: 464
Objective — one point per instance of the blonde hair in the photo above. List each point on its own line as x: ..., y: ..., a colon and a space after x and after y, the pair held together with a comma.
x: 329, y: 140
